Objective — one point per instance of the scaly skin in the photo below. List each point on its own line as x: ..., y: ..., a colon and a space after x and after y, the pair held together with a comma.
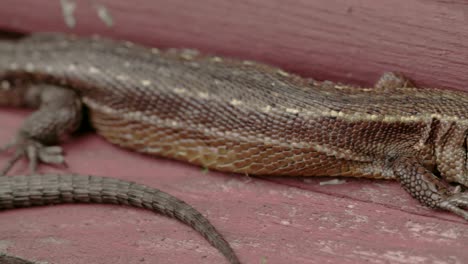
x: 238, y: 116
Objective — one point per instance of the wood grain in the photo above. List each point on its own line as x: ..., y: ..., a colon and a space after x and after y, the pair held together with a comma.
x: 296, y: 221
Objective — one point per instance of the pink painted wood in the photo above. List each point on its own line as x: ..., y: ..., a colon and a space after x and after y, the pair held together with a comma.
x: 280, y: 220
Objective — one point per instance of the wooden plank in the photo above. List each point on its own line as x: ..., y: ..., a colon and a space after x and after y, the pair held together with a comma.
x: 279, y: 220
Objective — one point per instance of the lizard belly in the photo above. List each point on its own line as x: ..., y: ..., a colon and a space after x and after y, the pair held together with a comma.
x: 216, y: 151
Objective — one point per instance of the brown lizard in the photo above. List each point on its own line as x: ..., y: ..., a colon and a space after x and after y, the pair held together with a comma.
x: 237, y: 116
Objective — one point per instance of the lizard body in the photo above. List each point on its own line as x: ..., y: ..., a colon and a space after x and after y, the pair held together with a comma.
x: 237, y: 116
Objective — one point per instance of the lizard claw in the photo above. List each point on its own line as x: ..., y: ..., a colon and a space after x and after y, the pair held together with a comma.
x: 457, y: 204
x: 35, y: 152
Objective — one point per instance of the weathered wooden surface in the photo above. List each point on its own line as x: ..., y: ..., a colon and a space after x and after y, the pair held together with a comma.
x: 266, y: 220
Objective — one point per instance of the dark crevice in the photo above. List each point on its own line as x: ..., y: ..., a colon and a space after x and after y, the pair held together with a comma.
x: 9, y: 259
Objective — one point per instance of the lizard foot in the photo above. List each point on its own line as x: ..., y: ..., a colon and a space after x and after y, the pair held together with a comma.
x: 457, y: 204
x: 429, y: 189
x: 34, y: 151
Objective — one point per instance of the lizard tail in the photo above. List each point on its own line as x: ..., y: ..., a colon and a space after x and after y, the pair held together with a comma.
x: 36, y: 190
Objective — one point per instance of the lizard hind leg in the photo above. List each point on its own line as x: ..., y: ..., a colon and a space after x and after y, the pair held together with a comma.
x: 58, y: 113
x: 430, y: 190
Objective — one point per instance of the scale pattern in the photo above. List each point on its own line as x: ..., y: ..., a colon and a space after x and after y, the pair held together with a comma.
x: 242, y: 116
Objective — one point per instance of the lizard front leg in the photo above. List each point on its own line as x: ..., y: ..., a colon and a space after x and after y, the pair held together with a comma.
x: 391, y: 81
x: 59, y: 113
x: 426, y: 187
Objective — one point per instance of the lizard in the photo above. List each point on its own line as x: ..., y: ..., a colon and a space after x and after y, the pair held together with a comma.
x: 236, y: 115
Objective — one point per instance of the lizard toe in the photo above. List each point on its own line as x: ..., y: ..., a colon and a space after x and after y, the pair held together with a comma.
x: 51, y: 155
x: 35, y: 152
x: 457, y: 204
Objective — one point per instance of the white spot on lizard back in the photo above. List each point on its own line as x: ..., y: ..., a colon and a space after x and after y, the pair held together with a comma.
x: 29, y: 67
x: 188, y: 54
x: 266, y: 109
x: 236, y: 102
x: 216, y: 59
x: 179, y: 90
x: 203, y: 95
x: 292, y: 110
x: 5, y: 85
x: 146, y: 82
x: 122, y: 77
x: 282, y: 73
x: 93, y: 70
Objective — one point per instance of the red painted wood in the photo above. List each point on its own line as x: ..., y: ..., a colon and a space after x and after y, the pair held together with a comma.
x: 276, y: 220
